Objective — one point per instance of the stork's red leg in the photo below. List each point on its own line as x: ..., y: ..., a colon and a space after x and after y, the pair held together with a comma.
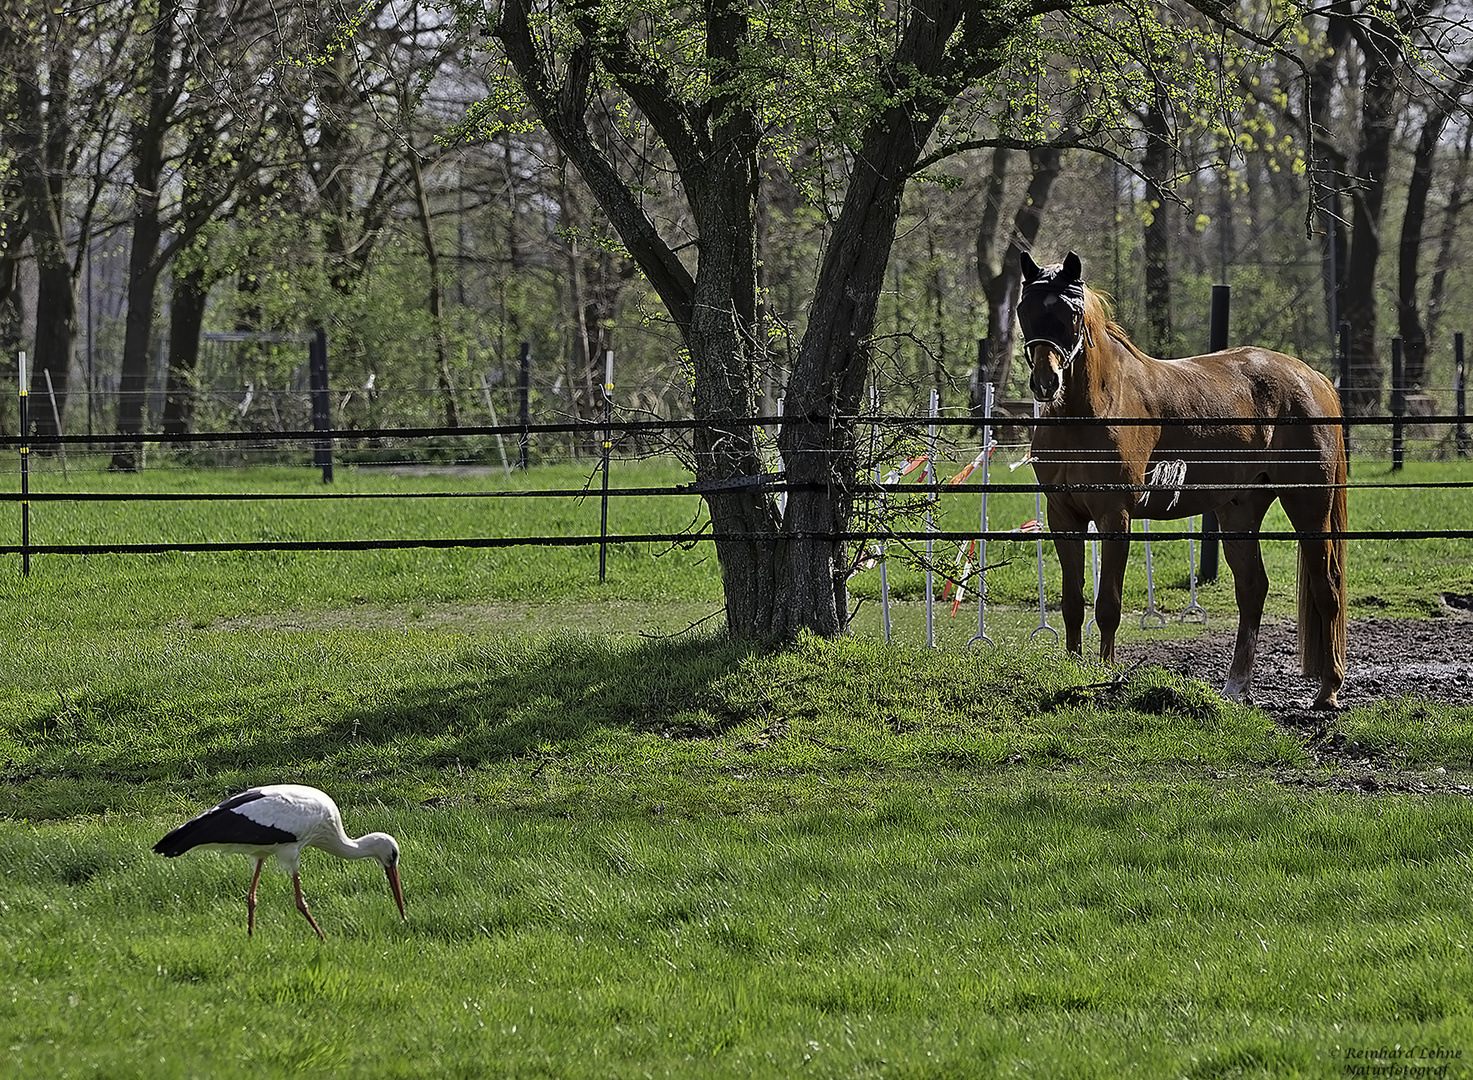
x: 251, y: 900
x: 302, y: 907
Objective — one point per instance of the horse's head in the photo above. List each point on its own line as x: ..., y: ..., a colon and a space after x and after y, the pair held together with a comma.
x: 1051, y: 313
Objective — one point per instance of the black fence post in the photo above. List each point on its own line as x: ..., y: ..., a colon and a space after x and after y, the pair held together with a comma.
x: 25, y: 472
x: 981, y: 375
x: 1345, y: 388
x: 524, y: 389
x: 1398, y: 407
x: 603, y: 514
x: 1217, y: 339
x: 321, y: 402
x: 1461, y: 391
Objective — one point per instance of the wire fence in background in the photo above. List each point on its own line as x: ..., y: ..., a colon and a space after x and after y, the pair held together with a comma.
x: 475, y: 449
x: 892, y: 508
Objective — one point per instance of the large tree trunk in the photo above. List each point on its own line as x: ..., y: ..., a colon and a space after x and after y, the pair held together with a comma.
x: 143, y: 277
x: 1379, y: 99
x: 1330, y: 160
x: 727, y: 343
x: 1413, y: 332
x: 1447, y: 249
x: 1408, y: 313
x: 143, y: 259
x: 1157, y: 239
x: 1002, y: 279
x: 41, y: 136
x: 779, y: 577
x: 186, y: 319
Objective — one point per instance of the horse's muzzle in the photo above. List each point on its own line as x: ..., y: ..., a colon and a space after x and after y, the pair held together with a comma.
x: 1046, y: 380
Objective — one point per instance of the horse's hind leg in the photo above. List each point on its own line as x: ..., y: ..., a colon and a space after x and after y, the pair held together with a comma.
x: 1113, y: 557
x: 1250, y: 583
x: 1321, y: 595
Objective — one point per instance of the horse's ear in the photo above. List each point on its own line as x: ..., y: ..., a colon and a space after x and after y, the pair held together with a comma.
x: 1030, y: 268
x: 1073, y: 268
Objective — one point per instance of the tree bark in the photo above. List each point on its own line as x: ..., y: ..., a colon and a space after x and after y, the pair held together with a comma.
x: 191, y: 292
x: 1156, y: 166
x: 41, y: 135
x: 1413, y: 331
x: 1447, y: 251
x: 1002, y: 281
x: 147, y: 137
x: 1380, y: 100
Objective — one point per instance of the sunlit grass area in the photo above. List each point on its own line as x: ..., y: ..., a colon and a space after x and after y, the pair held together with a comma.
x: 634, y: 851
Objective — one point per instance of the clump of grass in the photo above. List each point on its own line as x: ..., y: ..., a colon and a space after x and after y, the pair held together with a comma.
x: 1412, y: 730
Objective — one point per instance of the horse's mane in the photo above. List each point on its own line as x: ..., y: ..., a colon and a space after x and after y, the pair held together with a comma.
x: 1099, y: 320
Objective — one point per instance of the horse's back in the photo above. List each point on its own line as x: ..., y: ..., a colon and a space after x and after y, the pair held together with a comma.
x: 1246, y: 382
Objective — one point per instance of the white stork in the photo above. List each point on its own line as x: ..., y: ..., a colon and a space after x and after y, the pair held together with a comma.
x: 280, y: 820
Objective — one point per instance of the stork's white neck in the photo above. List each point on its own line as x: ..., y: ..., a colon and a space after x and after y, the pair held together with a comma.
x: 376, y: 845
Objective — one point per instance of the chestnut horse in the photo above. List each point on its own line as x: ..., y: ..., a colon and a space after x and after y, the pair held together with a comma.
x: 1232, y: 456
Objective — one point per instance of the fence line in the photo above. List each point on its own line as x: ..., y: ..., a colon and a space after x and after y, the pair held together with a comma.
x: 597, y: 427
x: 769, y: 487
x: 773, y: 483
x: 564, y: 540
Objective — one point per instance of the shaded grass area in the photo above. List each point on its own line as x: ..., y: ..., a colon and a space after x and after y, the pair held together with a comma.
x: 389, y: 715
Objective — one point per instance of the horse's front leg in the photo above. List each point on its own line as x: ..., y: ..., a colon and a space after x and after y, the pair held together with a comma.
x: 1064, y: 518
x: 1113, y: 556
x: 1250, y: 586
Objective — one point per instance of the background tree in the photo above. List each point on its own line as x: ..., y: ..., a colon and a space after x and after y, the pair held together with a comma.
x: 61, y: 68
x: 999, y: 265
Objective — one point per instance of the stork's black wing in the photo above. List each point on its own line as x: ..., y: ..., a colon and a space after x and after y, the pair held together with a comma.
x: 223, y: 825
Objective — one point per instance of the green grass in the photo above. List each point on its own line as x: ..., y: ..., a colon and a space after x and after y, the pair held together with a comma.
x: 1022, y: 926
x: 1400, y: 577
x: 676, y: 856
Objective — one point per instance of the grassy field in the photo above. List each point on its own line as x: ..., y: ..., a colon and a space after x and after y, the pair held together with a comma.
x: 631, y: 855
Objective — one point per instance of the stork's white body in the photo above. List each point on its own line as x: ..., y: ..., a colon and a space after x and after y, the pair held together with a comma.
x: 279, y: 820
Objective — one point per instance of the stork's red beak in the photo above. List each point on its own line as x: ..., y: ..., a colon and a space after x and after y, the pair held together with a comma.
x: 393, y: 872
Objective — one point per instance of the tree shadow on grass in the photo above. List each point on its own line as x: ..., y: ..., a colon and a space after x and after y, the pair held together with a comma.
x: 499, y: 701
x: 519, y: 697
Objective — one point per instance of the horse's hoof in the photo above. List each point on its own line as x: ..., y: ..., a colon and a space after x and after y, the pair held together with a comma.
x: 1327, y: 704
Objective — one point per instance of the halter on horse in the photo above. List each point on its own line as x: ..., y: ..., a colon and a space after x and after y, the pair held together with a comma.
x: 1233, y: 439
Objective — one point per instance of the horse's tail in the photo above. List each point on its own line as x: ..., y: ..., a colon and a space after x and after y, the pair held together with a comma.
x: 1322, y: 635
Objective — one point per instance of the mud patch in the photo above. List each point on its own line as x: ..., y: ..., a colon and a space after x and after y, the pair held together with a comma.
x: 1386, y: 659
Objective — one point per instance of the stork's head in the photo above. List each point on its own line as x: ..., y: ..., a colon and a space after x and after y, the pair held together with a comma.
x: 385, y: 849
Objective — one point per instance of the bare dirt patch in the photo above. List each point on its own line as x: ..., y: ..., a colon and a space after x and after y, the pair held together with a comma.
x: 1386, y: 659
